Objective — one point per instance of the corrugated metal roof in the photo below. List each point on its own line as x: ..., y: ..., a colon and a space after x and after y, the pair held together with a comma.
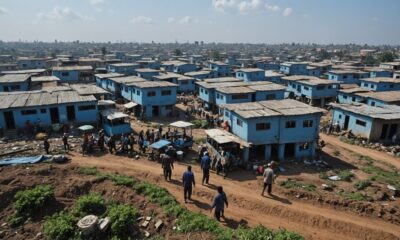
x: 73, y: 68
x: 45, y: 79
x: 386, y: 96
x: 88, y: 89
x: 151, y: 84
x: 109, y: 75
x: 389, y: 112
x: 14, y: 78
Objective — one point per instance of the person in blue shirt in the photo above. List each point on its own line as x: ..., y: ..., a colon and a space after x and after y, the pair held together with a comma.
x: 219, y: 204
x: 205, y: 166
x: 188, y: 182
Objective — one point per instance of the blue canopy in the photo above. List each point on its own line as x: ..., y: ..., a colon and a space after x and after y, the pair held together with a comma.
x: 160, y: 144
x: 22, y: 160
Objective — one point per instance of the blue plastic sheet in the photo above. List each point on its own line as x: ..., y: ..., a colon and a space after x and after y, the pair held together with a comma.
x: 160, y: 144
x: 22, y: 160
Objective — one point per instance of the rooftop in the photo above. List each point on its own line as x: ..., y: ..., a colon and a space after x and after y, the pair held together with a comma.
x: 286, y: 107
x: 14, y: 78
x: 31, y: 99
x: 235, y: 90
x: 196, y: 73
x: 88, y: 89
x: 73, y: 68
x: 146, y: 70
x: 381, y: 80
x: 127, y: 79
x: 109, y: 75
x: 45, y: 79
x: 151, y: 84
x: 386, y: 96
x: 273, y: 74
x: 316, y: 82
x: 299, y: 78
x: 27, y: 71
x: 124, y: 64
x: 347, y: 71
x: 250, y: 70
x: 389, y: 112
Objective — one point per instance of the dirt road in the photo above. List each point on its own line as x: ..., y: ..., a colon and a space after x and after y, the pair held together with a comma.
x: 247, y: 206
x: 382, y: 156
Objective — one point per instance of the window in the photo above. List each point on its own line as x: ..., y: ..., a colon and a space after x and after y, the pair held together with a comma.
x: 353, y: 99
x: 226, y: 114
x: 306, y: 88
x: 270, y: 97
x: 43, y: 110
x: 138, y: 92
x: 330, y: 86
x: 239, y: 122
x: 151, y: 94
x: 263, y: 126
x: 307, y: 123
x: 372, y: 103
x: 340, y: 116
x: 201, y: 90
x: 15, y: 87
x: 205, y: 92
x: 166, y: 92
x: 366, y: 85
x: 304, y: 146
x: 344, y: 97
x: 86, y: 107
x: 65, y: 74
x: 344, y: 76
x: 391, y: 86
x: 291, y: 124
x: 320, y: 87
x: 361, y: 123
x: 239, y: 96
x: 28, y: 112
x: 184, y: 82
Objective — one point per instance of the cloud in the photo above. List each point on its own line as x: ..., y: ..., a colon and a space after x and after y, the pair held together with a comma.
x: 287, y: 12
x: 142, y: 20
x: 245, y: 7
x: 60, y: 13
x: 223, y: 5
x: 96, y: 2
x: 186, y: 20
x: 171, y: 20
x: 3, y: 11
x: 272, y: 8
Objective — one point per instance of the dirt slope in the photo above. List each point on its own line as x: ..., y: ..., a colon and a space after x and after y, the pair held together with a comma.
x: 247, y: 206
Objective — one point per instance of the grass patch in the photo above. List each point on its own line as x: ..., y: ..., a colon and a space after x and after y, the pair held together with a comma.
x: 88, y: 170
x: 199, y: 123
x: 363, y: 184
x: 345, y: 175
x: 262, y: 233
x: 123, y: 218
x: 323, y: 175
x: 356, y: 196
x: 347, y: 140
x: 29, y: 201
x: 383, y: 176
x: 60, y: 226
x: 367, y: 159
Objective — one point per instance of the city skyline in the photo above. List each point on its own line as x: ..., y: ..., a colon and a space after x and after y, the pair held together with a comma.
x: 229, y: 21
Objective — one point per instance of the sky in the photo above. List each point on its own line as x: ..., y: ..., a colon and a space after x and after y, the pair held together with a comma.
x: 230, y: 21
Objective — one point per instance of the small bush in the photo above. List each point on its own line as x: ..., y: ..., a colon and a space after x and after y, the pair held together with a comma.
x: 123, y: 218
x: 198, y: 123
x: 298, y: 185
x: 323, y: 175
x: 89, y: 204
x: 363, y: 184
x: 284, y: 234
x: 358, y: 197
x: 120, y: 180
x: 258, y: 233
x: 88, y: 170
x: 27, y: 202
x: 346, y: 175
x: 60, y: 226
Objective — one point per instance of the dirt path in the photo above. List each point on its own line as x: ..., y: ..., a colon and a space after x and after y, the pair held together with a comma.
x: 382, y: 156
x: 247, y: 206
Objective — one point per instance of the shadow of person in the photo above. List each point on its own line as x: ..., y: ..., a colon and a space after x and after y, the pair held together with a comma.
x: 175, y: 182
x: 212, y: 186
x: 277, y: 198
x: 202, y: 205
x: 229, y: 222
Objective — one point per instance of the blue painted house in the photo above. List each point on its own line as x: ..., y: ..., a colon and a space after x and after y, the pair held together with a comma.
x: 347, y: 76
x: 185, y: 83
x: 274, y: 77
x: 178, y: 67
x: 149, y: 63
x: 102, y: 78
x: 393, y: 66
x: 203, y: 74
x: 375, y: 72
x: 15, y: 82
x: 350, y: 95
x: 380, y: 84
x: 65, y: 107
x: 123, y: 68
x: 114, y: 84
x: 147, y: 73
x: 250, y: 74
x: 276, y: 129
x: 380, y: 99
x: 294, y: 68
x: 74, y: 73
x: 370, y: 122
x: 221, y: 69
x: 316, y: 92
x: 114, y: 122
x: 154, y: 98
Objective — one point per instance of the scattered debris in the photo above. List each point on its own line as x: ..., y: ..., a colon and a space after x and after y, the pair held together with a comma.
x: 145, y: 224
x: 103, y: 224
x: 158, y: 224
x: 88, y: 224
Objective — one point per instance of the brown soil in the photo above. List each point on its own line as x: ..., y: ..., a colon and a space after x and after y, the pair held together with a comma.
x: 69, y: 185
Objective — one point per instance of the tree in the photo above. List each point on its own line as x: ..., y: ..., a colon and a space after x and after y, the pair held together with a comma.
x: 370, y: 60
x: 323, y: 54
x: 177, y: 52
x: 216, y: 56
x: 103, y: 51
x: 386, y: 57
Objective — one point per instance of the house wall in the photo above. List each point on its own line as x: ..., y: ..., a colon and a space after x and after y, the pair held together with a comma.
x: 207, y: 95
x: 148, y: 75
x: 24, y: 86
x: 186, y: 85
x: 123, y: 70
x: 72, y: 76
x: 262, y: 95
x: 349, y: 98
x: 379, y: 86
x: 185, y: 68
x: 251, y: 76
x: 374, y: 74
x: 339, y: 115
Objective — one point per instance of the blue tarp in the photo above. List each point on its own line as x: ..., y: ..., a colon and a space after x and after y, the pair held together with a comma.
x: 160, y: 144
x: 22, y: 160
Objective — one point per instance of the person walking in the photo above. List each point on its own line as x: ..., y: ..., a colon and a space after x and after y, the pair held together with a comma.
x: 167, y: 165
x: 219, y: 204
x: 65, y: 142
x: 188, y: 183
x: 46, y: 146
x: 205, y: 166
x: 269, y: 178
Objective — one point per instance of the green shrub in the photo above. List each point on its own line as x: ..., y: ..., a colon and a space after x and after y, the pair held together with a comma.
x: 288, y: 184
x: 198, y: 123
x: 383, y: 176
x: 284, y: 234
x: 357, y: 196
x: 258, y: 233
x: 87, y: 170
x: 361, y: 185
x: 123, y: 218
x: 89, y: 204
x: 346, y: 175
x: 60, y: 226
x: 120, y: 180
x: 29, y: 201
x: 323, y: 175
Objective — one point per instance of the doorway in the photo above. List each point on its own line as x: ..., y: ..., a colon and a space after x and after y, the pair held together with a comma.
x: 384, y: 131
x: 393, y: 130
x: 289, y: 150
x: 346, y: 122
x: 9, y: 118
x: 257, y: 152
x: 55, y: 118
x: 155, y: 111
x: 275, y: 152
x: 71, y: 113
